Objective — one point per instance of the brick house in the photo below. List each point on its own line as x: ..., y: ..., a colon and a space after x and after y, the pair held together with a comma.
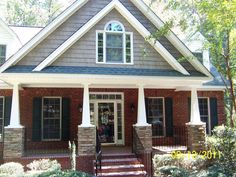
x: 91, y: 68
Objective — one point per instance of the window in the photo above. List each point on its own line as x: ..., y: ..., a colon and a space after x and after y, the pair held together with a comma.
x: 1, y: 117
x: 114, y: 45
x: 2, y: 53
x: 155, y: 115
x: 204, y: 112
x: 51, y: 120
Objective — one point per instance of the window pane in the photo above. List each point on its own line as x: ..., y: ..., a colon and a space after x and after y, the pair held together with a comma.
x: 204, y: 114
x: 128, y: 49
x: 51, y: 118
x: 114, y: 48
x: 156, y: 116
x: 2, y: 53
x: 114, y: 27
x: 100, y: 47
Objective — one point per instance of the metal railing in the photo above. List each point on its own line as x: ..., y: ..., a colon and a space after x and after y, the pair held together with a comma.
x: 98, y: 155
x: 170, y: 136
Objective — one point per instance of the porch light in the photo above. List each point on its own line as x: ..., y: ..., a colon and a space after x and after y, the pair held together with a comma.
x: 132, y: 107
x: 80, y: 108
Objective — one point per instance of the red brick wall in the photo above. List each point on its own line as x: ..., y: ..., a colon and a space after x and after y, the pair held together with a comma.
x: 180, y: 109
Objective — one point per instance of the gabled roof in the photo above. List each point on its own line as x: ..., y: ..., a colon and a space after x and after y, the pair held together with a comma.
x: 9, y: 30
x: 129, y: 17
x: 114, y: 4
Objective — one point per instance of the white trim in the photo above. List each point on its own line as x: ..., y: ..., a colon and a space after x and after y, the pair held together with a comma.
x: 115, y: 101
x: 209, y: 113
x: 3, y: 115
x: 42, y: 118
x: 43, y: 34
x: 124, y: 48
x: 131, y: 19
x: 114, y: 21
x: 171, y: 36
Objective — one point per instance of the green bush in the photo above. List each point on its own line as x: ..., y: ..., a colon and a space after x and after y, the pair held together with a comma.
x: 173, y: 171
x: 68, y: 173
x: 44, y: 165
x: 11, y: 169
x: 223, y: 140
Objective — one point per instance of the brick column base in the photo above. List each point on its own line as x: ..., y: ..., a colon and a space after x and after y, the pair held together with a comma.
x: 86, y: 141
x: 13, y: 142
x: 196, y: 136
x: 142, y: 139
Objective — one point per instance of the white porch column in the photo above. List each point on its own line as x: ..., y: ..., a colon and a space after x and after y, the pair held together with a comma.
x: 15, y: 109
x: 86, y: 108
x: 142, y: 118
x: 195, y: 113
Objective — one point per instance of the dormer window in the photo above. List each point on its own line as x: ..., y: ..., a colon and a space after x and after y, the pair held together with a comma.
x: 114, y: 44
x: 2, y: 54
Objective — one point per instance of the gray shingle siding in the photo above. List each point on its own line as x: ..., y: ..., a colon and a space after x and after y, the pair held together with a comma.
x: 83, y: 53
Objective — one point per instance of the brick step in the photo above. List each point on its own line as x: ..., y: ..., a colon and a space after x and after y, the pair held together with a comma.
x: 120, y: 161
x: 125, y: 165
x: 121, y: 168
x: 124, y: 174
x: 120, y: 155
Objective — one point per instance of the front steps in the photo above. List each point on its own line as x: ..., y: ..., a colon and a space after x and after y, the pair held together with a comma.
x: 124, y: 164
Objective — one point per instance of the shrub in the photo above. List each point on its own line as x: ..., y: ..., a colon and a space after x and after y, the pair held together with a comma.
x: 44, y: 165
x: 70, y: 173
x: 224, y: 141
x: 11, y: 169
x: 173, y: 171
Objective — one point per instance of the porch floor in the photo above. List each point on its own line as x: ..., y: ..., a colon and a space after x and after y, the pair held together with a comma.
x: 168, y: 149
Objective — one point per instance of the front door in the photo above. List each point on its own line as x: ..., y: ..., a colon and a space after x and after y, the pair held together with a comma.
x: 106, y: 112
x: 106, y: 122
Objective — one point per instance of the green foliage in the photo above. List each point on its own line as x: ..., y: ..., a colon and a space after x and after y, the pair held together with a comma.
x: 216, y: 20
x: 183, y: 164
x: 224, y: 140
x: 44, y: 165
x: 174, y: 171
x: 11, y: 169
x: 64, y: 174
x: 32, y: 12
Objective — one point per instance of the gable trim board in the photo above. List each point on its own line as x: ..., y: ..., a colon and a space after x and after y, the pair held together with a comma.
x: 178, y: 44
x: 130, y: 18
x: 43, y: 34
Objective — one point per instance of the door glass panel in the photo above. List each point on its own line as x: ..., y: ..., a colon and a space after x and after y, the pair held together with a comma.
x: 92, y: 116
x: 119, y: 121
x: 106, y: 122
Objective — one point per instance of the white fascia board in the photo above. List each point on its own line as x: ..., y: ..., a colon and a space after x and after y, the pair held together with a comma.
x: 171, y: 36
x: 75, y: 37
x: 133, y: 21
x: 43, y: 34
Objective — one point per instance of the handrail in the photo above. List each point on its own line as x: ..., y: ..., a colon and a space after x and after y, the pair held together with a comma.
x: 98, y: 156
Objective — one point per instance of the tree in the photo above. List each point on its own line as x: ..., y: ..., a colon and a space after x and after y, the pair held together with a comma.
x: 216, y: 20
x: 32, y: 12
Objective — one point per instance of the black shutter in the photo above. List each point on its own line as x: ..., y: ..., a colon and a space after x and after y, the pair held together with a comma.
x: 146, y: 106
x: 7, y: 110
x: 65, y: 119
x: 189, y: 109
x: 37, y: 119
x: 213, y: 112
x: 169, y: 116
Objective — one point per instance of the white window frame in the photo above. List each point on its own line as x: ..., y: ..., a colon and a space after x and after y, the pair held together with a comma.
x: 164, y: 115
x: 3, y: 107
x: 104, y: 32
x: 209, y: 112
x: 48, y: 97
